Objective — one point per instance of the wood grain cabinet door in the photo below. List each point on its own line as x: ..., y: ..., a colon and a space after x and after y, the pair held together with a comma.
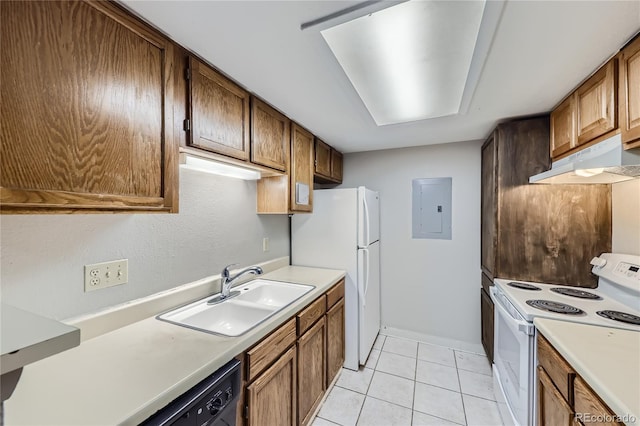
x: 563, y: 127
x: 486, y: 317
x: 336, y: 166
x: 488, y: 201
x: 596, y: 104
x: 218, y: 112
x: 87, y: 109
x: 301, y: 170
x: 630, y: 94
x: 272, y: 397
x: 311, y: 370
x: 270, y: 136
x: 553, y: 410
x: 323, y: 159
x: 335, y: 340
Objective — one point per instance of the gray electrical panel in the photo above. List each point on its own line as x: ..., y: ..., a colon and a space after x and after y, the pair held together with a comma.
x: 431, y: 208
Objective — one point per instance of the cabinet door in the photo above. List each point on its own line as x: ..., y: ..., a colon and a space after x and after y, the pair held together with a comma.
x: 87, y: 122
x: 587, y: 403
x: 270, y: 136
x: 596, y: 104
x: 336, y: 166
x: 335, y: 340
x: 219, y: 112
x: 630, y: 93
x: 486, y: 314
x: 301, y: 167
x: 488, y: 207
x: 271, y: 398
x: 563, y: 127
x: 323, y: 159
x: 553, y: 410
x: 311, y: 370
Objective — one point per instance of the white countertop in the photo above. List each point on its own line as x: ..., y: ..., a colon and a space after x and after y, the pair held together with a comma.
x: 124, y: 376
x: 26, y: 337
x: 607, y: 359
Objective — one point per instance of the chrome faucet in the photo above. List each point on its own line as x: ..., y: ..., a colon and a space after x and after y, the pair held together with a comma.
x: 228, y: 279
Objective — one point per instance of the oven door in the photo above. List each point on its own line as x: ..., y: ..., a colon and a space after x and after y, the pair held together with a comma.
x: 514, y: 360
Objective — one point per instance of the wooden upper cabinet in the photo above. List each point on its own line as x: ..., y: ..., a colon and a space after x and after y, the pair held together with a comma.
x: 88, y: 116
x: 270, y: 135
x: 301, y: 172
x: 323, y: 159
x: 336, y: 165
x: 488, y: 207
x: 630, y: 94
x: 563, y: 127
x: 596, y: 104
x: 218, y: 112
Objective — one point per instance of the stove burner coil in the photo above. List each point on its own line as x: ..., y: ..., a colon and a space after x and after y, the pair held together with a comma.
x: 556, y: 307
x: 620, y: 316
x: 574, y: 292
x: 523, y: 286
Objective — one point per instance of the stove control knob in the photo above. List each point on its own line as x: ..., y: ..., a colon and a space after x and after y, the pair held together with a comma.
x: 598, y: 262
x: 229, y: 394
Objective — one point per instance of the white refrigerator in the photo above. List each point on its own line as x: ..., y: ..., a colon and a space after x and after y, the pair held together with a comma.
x: 343, y: 232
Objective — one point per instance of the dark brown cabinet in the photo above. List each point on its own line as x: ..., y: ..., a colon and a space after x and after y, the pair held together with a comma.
x: 218, y: 112
x: 486, y: 315
x: 88, y: 116
x: 533, y: 232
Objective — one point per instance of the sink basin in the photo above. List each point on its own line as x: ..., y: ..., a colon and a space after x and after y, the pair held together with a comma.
x: 272, y: 293
x: 258, y: 300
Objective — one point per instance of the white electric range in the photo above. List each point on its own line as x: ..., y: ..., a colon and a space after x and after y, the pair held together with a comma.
x: 614, y: 303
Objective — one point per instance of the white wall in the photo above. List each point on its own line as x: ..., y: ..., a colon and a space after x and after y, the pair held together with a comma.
x: 430, y: 288
x: 43, y: 256
x: 625, y: 203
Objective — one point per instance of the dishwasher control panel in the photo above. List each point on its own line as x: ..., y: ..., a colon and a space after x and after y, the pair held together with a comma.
x: 211, y: 402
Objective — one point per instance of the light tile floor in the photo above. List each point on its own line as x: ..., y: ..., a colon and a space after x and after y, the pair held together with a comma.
x: 409, y: 383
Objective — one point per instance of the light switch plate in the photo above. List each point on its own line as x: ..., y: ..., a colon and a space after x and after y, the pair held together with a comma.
x: 106, y: 274
x: 302, y: 194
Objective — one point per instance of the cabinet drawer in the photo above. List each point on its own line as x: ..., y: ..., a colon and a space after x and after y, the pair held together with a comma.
x: 313, y: 312
x: 269, y: 349
x: 559, y: 371
x: 336, y: 293
x: 588, y: 403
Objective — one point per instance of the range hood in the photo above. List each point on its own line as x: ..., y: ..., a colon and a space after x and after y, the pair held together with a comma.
x: 604, y: 162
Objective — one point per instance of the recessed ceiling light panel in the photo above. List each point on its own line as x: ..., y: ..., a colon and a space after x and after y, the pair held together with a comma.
x: 410, y: 61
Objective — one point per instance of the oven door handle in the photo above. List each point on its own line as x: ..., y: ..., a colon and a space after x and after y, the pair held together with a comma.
x: 523, y: 326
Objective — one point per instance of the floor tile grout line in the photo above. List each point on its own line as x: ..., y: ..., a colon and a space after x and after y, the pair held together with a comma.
x: 392, y: 403
x: 464, y: 410
x: 438, y: 417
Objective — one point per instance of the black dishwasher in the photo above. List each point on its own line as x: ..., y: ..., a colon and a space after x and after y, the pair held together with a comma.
x: 212, y: 402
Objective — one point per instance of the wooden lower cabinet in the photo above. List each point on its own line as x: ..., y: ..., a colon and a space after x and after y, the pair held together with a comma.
x: 564, y: 398
x: 286, y: 374
x: 553, y: 410
x: 335, y: 340
x: 272, y: 397
x: 311, y: 370
x: 486, y: 317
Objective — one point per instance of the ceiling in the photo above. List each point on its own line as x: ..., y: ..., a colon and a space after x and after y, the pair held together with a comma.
x: 541, y: 50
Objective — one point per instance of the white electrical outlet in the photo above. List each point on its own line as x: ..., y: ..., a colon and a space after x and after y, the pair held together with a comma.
x: 106, y: 274
x: 265, y: 244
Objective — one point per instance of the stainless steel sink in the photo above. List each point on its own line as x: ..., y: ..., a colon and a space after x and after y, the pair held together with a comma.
x: 258, y: 300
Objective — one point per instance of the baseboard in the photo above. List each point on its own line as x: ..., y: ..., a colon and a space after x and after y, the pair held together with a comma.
x: 434, y: 340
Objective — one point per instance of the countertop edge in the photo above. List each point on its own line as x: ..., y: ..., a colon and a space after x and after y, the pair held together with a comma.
x: 604, y: 392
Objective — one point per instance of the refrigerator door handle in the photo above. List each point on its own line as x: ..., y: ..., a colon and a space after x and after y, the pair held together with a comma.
x: 366, y: 242
x: 364, y: 284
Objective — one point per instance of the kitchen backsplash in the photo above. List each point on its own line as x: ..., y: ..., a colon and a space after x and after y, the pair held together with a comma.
x: 43, y: 256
